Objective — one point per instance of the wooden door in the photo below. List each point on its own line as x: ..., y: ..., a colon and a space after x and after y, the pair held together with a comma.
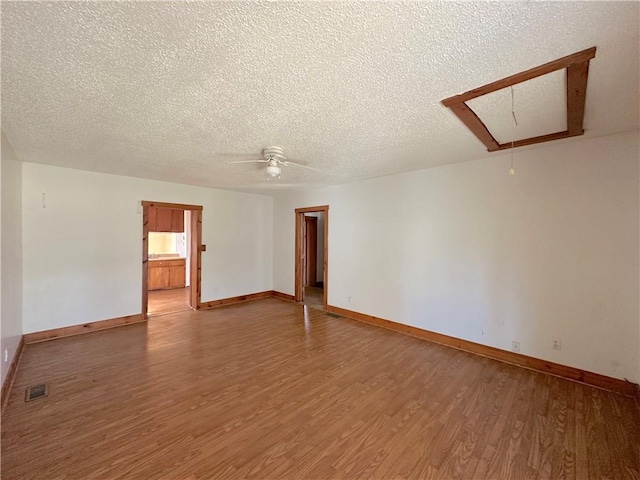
x: 311, y: 247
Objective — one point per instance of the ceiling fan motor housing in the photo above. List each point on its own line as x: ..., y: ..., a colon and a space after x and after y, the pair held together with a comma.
x: 275, y: 160
x: 274, y: 153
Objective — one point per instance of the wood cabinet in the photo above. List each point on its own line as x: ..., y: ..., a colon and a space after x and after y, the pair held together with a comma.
x: 158, y: 276
x: 177, y: 275
x: 177, y: 220
x: 166, y: 219
x: 167, y: 274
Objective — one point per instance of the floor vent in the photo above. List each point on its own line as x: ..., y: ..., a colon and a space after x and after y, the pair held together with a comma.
x: 36, y: 391
x: 334, y: 315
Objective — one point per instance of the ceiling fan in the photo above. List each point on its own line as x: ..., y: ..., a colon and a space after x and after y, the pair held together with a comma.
x: 275, y: 159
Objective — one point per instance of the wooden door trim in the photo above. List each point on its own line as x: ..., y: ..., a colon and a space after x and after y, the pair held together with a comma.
x: 577, y: 66
x: 299, y: 249
x: 195, y: 253
x: 195, y: 268
x: 177, y: 206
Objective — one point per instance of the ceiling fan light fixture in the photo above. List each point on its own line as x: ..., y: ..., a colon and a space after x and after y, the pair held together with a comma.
x: 275, y: 160
x: 273, y: 171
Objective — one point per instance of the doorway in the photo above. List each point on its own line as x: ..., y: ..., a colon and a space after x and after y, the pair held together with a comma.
x: 171, y: 257
x: 312, y: 248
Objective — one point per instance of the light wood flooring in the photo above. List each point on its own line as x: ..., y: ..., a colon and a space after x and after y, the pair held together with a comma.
x: 314, y: 297
x: 271, y: 389
x: 168, y: 301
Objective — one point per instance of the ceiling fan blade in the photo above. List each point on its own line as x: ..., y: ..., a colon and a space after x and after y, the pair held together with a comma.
x: 250, y: 161
x: 289, y: 162
x: 237, y: 155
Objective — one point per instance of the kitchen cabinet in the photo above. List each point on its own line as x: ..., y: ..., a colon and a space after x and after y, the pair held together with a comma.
x: 177, y: 220
x: 177, y: 275
x: 166, y: 219
x: 167, y: 274
x: 158, y: 276
x: 163, y: 220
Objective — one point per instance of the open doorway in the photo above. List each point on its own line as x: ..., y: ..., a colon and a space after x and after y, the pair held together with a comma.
x: 312, y: 235
x: 171, y: 257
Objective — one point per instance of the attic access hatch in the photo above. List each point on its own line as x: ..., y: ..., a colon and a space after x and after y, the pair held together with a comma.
x: 577, y: 71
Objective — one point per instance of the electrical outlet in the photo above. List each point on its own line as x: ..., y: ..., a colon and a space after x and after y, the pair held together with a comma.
x: 349, y: 299
x: 556, y: 344
x: 515, y: 346
x: 6, y: 354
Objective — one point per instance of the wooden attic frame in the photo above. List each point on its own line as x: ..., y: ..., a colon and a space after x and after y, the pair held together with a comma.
x: 577, y: 66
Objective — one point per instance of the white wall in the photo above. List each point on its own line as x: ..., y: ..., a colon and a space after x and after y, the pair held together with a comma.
x: 163, y: 243
x: 83, y: 251
x: 468, y: 251
x: 11, y: 254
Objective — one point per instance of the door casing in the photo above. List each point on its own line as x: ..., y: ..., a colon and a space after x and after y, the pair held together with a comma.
x: 195, y: 257
x: 299, y: 251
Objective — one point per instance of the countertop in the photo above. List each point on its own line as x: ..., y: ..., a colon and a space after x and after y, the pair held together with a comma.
x: 156, y: 259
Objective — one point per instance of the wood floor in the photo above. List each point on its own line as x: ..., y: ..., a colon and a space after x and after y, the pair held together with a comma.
x: 168, y: 301
x: 314, y: 297
x: 270, y: 389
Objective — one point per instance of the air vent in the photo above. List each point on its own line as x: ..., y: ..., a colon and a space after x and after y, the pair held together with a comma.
x: 36, y: 391
x: 333, y: 315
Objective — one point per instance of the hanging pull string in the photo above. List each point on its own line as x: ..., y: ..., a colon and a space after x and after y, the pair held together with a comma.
x: 512, y: 170
x: 513, y: 112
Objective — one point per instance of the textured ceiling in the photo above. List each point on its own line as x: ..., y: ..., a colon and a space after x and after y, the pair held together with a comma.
x: 171, y: 91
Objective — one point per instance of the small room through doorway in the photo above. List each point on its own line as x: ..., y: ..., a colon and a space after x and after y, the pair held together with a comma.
x: 314, y: 260
x: 171, y: 256
x: 168, y: 256
x: 312, y: 238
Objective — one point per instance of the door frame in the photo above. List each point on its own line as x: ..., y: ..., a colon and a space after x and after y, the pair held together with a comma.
x: 195, y: 252
x: 299, y: 251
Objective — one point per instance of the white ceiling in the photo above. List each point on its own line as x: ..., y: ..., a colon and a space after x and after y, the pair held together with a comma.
x: 169, y: 91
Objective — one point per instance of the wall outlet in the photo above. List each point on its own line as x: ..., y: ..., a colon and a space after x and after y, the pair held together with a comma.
x: 349, y: 299
x: 6, y: 354
x: 556, y: 344
x: 515, y: 346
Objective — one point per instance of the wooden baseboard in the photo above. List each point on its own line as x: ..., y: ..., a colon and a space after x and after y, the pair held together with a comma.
x: 121, y: 321
x: 571, y: 373
x: 246, y: 298
x: 84, y: 328
x: 283, y: 296
x: 11, y: 373
x: 231, y: 300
